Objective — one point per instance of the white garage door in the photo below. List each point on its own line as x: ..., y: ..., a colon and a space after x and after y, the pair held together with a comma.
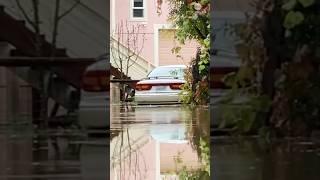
x: 167, y: 42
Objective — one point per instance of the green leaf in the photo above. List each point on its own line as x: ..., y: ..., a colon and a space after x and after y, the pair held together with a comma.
x: 176, y: 50
x: 205, y: 1
x: 206, y: 42
x: 306, y: 3
x: 230, y: 79
x: 289, y: 5
x: 201, y: 68
x: 292, y: 19
x: 248, y: 118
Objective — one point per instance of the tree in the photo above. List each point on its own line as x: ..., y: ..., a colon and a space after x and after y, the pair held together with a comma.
x: 279, y: 48
x: 126, y: 47
x: 35, y: 22
x: 192, y: 19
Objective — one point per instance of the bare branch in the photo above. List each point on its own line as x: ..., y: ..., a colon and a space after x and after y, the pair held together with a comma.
x: 25, y: 15
x: 69, y: 10
x: 128, y: 45
x: 119, y: 50
x: 55, y: 27
x: 139, y: 51
x: 35, y: 4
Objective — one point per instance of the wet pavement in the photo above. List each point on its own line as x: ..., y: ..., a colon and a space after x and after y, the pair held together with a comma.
x: 52, y: 154
x: 158, y: 142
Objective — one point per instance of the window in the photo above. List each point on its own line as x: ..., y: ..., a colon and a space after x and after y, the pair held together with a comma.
x: 225, y: 42
x: 167, y: 72
x: 138, y: 9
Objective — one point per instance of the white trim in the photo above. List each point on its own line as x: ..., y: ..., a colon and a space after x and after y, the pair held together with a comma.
x: 145, y: 11
x: 113, y: 16
x: 156, y: 28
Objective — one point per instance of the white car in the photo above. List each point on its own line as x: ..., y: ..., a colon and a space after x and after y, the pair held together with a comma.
x: 162, y: 85
x: 94, y: 103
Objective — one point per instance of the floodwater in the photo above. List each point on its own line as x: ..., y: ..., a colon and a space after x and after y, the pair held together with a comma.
x: 156, y: 142
x: 159, y: 142
x: 153, y: 143
x: 57, y: 154
x: 257, y: 159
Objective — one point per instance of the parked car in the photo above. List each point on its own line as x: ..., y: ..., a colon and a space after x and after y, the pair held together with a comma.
x: 161, y: 86
x: 95, y: 99
x: 218, y: 89
x: 223, y: 60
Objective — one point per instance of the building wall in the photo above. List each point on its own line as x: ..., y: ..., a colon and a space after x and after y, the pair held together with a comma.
x: 122, y: 14
x: 167, y: 42
x: 151, y: 26
x: 169, y: 152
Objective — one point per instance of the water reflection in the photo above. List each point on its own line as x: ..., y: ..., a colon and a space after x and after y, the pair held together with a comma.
x: 255, y: 159
x: 157, y: 142
x: 51, y: 154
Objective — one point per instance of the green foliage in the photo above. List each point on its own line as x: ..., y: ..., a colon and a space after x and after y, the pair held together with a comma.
x: 293, y: 19
x: 192, y: 19
x: 294, y: 107
x: 302, y: 23
x: 197, y: 125
x: 186, y: 174
x: 304, y: 102
x: 205, y: 154
x: 202, y: 173
x: 306, y: 3
x: 245, y: 116
x: 289, y: 5
x: 204, y: 62
x: 186, y: 95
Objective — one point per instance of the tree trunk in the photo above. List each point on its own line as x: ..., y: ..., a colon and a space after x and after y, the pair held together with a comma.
x: 55, y: 28
x: 195, y: 71
x: 273, y: 39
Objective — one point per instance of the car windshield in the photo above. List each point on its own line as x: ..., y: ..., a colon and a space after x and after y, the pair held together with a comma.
x: 176, y: 72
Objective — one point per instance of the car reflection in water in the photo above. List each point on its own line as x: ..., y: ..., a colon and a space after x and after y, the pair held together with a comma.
x: 153, y: 142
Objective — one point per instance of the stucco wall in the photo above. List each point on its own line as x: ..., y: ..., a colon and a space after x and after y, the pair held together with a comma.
x: 121, y: 12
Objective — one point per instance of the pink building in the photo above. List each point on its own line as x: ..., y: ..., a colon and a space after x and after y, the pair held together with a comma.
x: 159, y: 33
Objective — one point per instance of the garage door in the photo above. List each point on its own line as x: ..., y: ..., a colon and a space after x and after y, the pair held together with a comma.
x: 167, y: 42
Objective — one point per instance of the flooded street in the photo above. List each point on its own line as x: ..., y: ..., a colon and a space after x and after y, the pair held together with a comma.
x: 53, y: 154
x: 159, y: 142
x: 255, y: 159
x: 153, y: 142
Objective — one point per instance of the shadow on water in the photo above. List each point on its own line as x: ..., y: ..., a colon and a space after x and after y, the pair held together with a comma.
x: 51, y: 154
x: 159, y: 142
